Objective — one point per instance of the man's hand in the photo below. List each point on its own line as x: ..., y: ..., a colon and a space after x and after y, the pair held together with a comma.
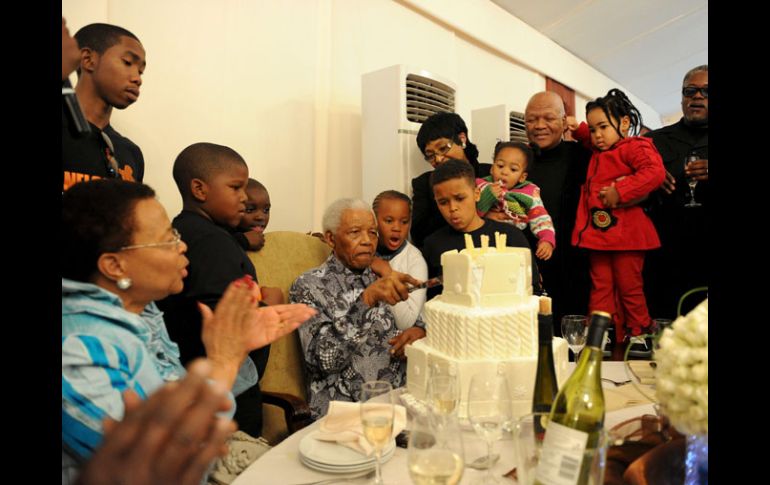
x: 609, y: 196
x: 400, y: 341
x: 390, y: 289
x: 699, y: 170
x: 669, y: 183
x: 170, y: 438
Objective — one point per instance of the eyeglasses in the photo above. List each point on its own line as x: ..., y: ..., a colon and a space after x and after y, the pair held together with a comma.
x: 174, y: 242
x: 440, y: 152
x: 689, y: 91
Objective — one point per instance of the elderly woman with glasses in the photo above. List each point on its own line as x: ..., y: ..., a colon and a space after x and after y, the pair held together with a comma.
x: 119, y: 255
x: 442, y: 136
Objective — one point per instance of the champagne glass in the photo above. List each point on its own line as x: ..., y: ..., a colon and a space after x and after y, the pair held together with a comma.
x: 435, y: 455
x: 574, y: 329
x: 489, y: 411
x: 377, y: 412
x: 691, y: 182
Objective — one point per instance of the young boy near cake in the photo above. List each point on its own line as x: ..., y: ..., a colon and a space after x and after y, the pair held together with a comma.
x: 393, y: 211
x: 250, y: 232
x: 454, y: 189
x: 211, y: 180
x: 518, y: 199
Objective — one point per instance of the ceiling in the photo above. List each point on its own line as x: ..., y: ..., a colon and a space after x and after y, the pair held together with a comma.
x: 646, y: 46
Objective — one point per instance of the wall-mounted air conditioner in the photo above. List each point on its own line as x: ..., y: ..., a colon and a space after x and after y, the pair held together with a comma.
x: 494, y: 124
x: 395, y: 101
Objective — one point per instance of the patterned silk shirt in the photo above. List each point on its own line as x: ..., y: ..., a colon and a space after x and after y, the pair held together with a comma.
x: 346, y: 343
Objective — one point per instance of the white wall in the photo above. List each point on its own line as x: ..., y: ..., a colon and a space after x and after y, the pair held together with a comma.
x: 280, y: 82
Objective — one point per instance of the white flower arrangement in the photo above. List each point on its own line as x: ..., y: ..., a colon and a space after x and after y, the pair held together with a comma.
x: 682, y: 377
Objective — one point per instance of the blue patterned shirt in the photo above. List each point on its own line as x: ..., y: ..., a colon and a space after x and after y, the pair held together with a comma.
x: 346, y: 343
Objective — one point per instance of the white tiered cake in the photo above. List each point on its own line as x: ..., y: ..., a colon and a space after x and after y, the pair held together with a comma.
x: 485, y: 321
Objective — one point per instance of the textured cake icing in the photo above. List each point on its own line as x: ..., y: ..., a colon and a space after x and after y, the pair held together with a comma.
x: 485, y: 321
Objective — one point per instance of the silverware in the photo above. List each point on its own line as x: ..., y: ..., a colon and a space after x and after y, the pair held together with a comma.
x: 617, y: 383
x: 330, y: 481
x: 437, y: 281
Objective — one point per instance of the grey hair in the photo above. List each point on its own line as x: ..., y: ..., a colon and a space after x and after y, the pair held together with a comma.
x: 333, y: 214
x: 703, y: 68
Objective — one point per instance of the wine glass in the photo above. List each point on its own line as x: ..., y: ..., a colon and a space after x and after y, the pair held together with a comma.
x: 574, y: 329
x: 377, y: 411
x: 435, y: 454
x: 691, y: 181
x: 489, y: 411
x: 443, y: 394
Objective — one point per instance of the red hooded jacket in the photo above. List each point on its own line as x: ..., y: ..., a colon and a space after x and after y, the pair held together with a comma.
x: 620, y: 229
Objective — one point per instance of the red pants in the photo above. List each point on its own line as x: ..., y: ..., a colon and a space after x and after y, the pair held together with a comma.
x: 616, y: 276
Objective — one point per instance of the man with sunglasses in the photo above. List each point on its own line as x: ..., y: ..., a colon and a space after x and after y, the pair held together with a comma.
x: 680, y: 264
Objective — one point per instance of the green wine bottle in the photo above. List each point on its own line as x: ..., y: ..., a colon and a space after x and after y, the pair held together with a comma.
x: 546, y: 386
x: 577, y: 416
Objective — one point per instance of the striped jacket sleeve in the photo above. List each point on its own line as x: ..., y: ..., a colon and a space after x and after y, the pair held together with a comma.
x: 95, y: 371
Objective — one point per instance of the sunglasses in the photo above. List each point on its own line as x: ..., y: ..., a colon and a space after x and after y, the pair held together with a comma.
x: 690, y: 91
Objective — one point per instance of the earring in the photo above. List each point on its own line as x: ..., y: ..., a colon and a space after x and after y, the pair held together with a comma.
x: 124, y: 283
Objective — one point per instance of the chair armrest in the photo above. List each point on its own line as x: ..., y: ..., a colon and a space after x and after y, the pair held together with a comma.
x: 295, y: 410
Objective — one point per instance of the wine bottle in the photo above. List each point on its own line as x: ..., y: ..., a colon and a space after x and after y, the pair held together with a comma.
x: 546, y: 386
x: 577, y: 416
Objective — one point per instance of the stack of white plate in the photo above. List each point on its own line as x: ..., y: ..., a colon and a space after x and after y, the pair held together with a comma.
x: 331, y: 457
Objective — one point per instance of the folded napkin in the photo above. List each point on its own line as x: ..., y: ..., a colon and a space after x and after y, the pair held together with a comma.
x: 643, y: 371
x: 625, y: 396
x: 342, y: 424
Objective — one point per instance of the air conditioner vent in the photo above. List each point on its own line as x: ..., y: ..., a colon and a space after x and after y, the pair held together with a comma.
x: 517, y: 130
x: 426, y: 97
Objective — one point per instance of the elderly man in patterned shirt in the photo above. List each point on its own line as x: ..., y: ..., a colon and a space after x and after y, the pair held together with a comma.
x: 353, y: 338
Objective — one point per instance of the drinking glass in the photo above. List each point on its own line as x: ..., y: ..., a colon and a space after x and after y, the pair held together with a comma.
x: 528, y: 434
x: 377, y: 412
x: 435, y: 454
x: 489, y: 411
x: 574, y: 329
x: 691, y: 182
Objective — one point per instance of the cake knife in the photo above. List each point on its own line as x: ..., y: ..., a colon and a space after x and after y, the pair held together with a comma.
x: 437, y: 281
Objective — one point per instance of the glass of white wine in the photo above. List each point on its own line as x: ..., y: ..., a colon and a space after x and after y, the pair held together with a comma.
x: 435, y: 455
x: 489, y: 411
x: 377, y: 411
x: 444, y: 394
x: 692, y: 182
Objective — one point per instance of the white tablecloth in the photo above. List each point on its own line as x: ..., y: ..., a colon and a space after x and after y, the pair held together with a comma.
x: 282, y: 466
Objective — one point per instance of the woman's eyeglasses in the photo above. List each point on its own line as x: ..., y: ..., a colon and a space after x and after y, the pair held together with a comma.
x: 440, y: 152
x: 174, y: 242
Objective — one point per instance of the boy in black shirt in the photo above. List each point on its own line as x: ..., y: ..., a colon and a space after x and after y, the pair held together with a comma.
x: 112, y: 61
x: 212, y: 180
x: 454, y: 189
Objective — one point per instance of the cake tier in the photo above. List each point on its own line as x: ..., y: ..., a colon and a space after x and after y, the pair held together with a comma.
x: 482, y: 333
x: 520, y: 372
